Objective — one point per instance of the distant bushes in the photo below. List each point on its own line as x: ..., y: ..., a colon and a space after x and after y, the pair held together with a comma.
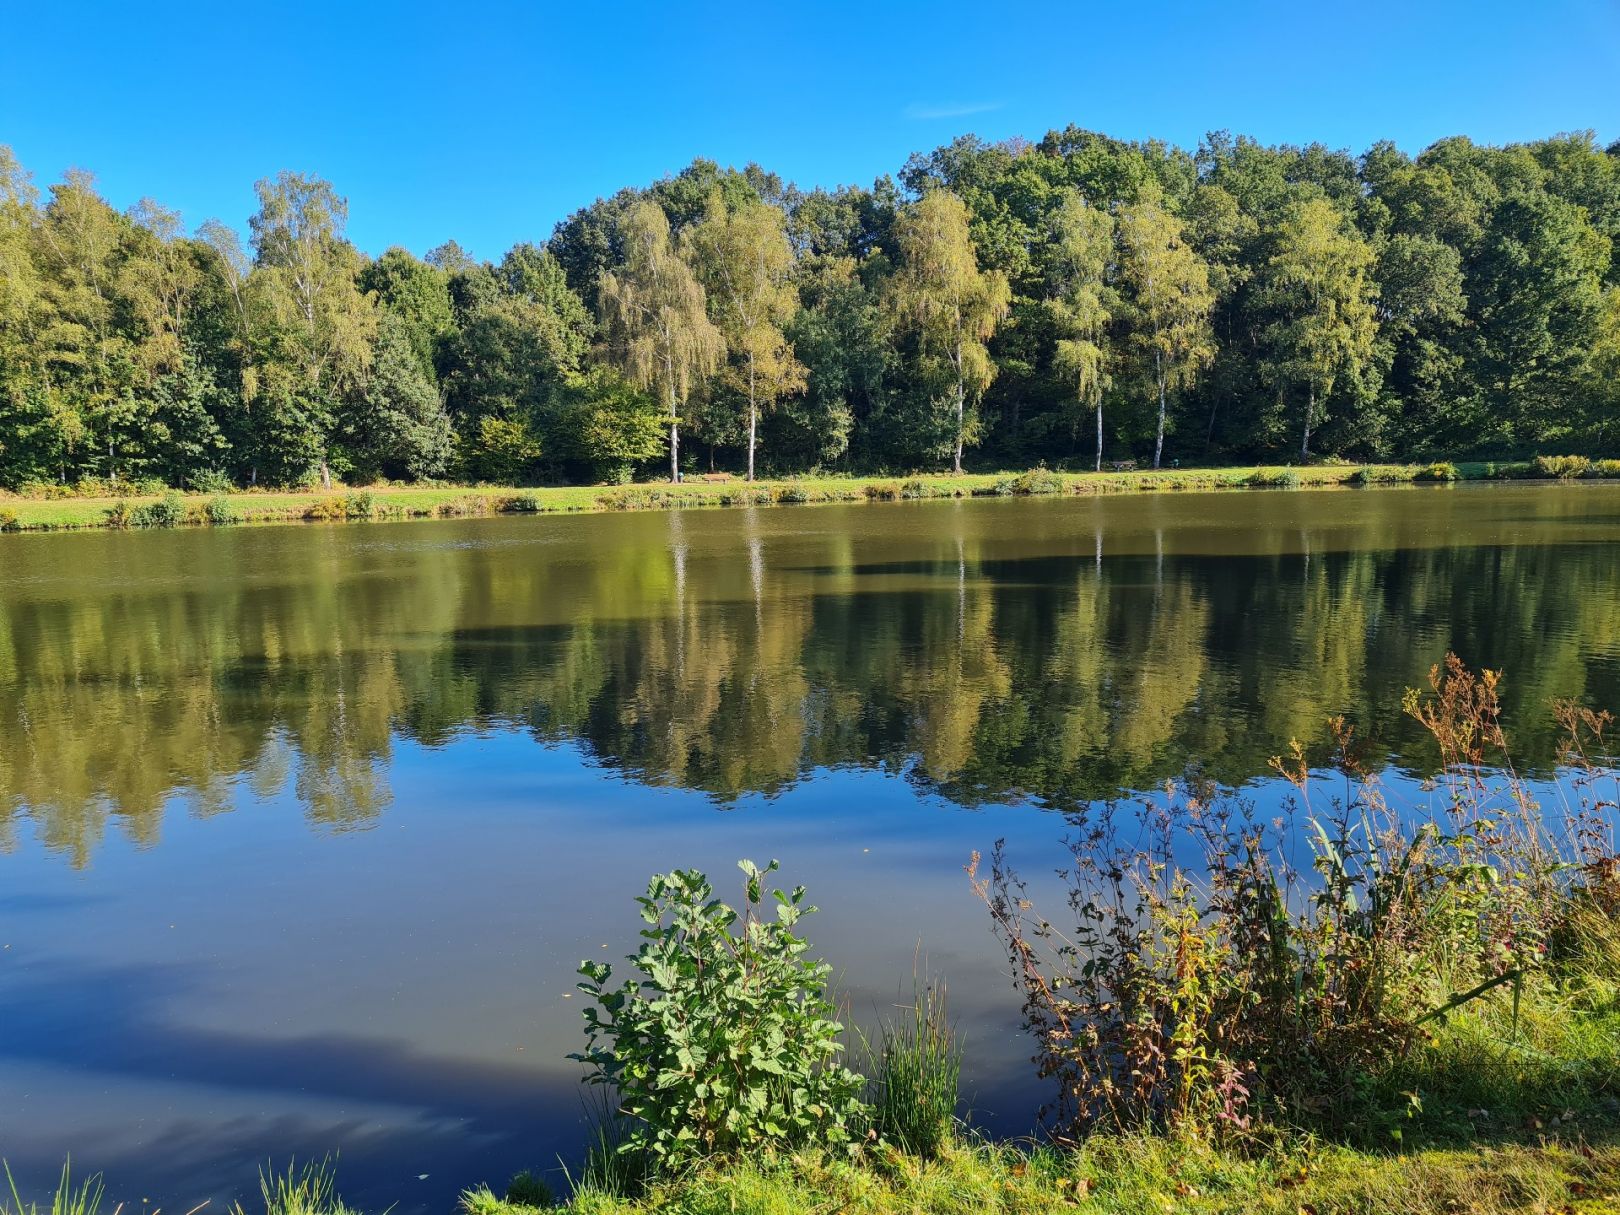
x: 1436, y: 472
x: 1273, y: 478
x: 1037, y: 481
x: 167, y: 511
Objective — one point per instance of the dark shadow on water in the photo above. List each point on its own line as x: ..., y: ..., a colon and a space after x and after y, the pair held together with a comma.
x: 461, y: 1121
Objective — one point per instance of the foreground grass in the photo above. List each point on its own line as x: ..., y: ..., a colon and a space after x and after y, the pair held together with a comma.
x: 1113, y: 1176
x: 448, y: 501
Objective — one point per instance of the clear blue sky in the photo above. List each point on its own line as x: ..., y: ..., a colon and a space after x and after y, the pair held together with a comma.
x: 488, y: 122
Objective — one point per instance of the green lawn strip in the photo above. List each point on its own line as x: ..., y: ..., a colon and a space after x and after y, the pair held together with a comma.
x: 448, y: 501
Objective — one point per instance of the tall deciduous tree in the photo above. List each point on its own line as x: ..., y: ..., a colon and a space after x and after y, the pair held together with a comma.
x: 952, y: 305
x: 310, y: 269
x: 1081, y: 243
x: 655, y: 319
x: 1171, y: 300
x: 746, y: 264
x: 1318, y: 279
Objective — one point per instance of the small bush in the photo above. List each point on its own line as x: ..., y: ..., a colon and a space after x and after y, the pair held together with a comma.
x: 792, y: 494
x: 359, y: 504
x: 1443, y: 471
x: 8, y: 521
x: 883, y: 491
x: 220, y: 510
x: 47, y: 490
x: 1273, y: 478
x: 212, y: 481
x: 1037, y: 481
x: 468, y: 506
x: 1562, y: 467
x: 326, y: 510
x: 1603, y: 468
x: 167, y: 511
x: 519, y: 504
x: 727, y: 1042
x: 915, y: 488
x: 745, y: 495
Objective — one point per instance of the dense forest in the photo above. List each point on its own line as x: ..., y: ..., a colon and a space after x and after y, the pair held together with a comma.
x: 1065, y: 301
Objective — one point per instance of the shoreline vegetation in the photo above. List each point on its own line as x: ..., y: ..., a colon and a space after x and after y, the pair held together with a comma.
x: 1080, y: 300
x: 101, y: 506
x: 1358, y: 1007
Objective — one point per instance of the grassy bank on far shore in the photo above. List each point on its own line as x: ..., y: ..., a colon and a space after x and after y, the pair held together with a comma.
x: 70, y: 511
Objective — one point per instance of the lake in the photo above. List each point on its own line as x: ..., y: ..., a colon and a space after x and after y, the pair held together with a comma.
x: 303, y: 830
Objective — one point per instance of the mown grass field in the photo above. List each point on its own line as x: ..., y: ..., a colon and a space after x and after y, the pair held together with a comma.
x: 451, y: 501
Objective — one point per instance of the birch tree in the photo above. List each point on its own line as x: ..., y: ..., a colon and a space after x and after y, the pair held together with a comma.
x: 1081, y: 244
x: 310, y: 271
x: 746, y: 263
x: 655, y: 319
x: 1171, y: 300
x: 1318, y: 279
x: 940, y: 293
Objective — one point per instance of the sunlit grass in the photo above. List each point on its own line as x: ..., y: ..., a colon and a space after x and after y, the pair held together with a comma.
x: 441, y: 501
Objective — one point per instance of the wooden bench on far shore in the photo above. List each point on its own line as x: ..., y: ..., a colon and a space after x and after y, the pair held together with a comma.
x: 1123, y: 465
x: 713, y: 478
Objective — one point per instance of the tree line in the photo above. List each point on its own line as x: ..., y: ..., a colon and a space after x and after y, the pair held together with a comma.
x: 1069, y: 301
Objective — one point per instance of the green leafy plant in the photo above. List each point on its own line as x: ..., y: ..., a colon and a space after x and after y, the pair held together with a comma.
x: 1040, y: 480
x: 727, y: 1041
x: 1562, y: 467
x: 1442, y: 471
x: 167, y: 511
x: 220, y: 510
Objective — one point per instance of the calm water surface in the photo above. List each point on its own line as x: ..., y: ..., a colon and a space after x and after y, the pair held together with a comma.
x: 304, y: 830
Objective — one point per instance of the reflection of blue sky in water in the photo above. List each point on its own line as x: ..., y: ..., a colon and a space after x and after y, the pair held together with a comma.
x: 404, y: 994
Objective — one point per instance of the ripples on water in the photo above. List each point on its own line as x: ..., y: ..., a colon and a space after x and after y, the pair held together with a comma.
x: 306, y: 828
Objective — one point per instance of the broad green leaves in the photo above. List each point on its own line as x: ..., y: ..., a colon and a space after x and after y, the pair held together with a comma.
x: 728, y: 1041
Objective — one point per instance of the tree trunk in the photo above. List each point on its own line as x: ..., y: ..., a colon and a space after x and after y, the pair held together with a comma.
x: 1305, y: 441
x: 1158, y: 444
x: 753, y: 417
x: 326, y: 473
x: 961, y: 421
x: 674, y: 436
x: 1099, y: 436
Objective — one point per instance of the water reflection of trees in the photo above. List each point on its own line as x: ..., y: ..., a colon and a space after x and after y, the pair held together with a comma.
x: 987, y: 676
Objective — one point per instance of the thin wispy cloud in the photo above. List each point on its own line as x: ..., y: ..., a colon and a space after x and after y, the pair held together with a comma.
x: 920, y: 112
